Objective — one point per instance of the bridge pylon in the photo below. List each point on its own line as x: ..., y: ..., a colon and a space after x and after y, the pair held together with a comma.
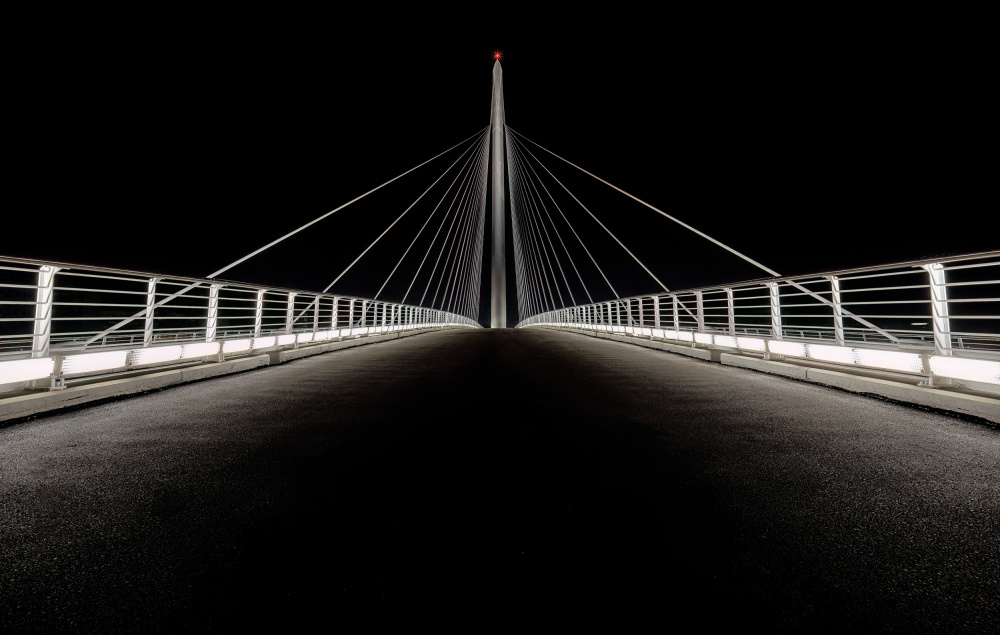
x: 498, y: 269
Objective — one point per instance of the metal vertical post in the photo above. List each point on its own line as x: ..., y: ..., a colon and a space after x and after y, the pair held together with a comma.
x: 498, y: 271
x: 385, y: 310
x: 939, y: 309
x: 699, y: 304
x: 656, y: 311
x: 258, y: 317
x: 350, y: 315
x: 677, y: 313
x: 212, y: 321
x: 316, y: 316
x: 147, y: 330
x: 838, y: 314
x: 775, y: 310
x: 290, y: 313
x: 42, y: 331
x: 731, y: 309
x: 628, y: 312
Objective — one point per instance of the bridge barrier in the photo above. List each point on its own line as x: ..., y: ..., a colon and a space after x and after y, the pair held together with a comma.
x: 937, y: 319
x: 62, y: 321
x: 934, y: 323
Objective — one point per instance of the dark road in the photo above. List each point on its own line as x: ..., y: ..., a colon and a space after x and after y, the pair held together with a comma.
x: 470, y: 480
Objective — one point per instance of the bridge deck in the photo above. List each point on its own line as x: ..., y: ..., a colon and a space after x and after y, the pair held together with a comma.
x: 496, y: 474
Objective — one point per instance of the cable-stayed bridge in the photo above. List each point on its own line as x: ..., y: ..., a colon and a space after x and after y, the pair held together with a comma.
x: 535, y: 468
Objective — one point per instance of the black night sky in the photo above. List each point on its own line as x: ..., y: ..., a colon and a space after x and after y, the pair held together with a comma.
x: 178, y: 145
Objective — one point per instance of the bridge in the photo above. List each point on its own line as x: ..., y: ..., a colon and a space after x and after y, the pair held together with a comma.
x: 803, y: 453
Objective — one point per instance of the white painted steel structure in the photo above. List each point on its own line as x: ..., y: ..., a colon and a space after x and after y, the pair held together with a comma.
x: 936, y: 318
x: 62, y: 319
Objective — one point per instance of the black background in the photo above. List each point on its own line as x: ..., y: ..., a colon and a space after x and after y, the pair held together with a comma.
x: 178, y: 143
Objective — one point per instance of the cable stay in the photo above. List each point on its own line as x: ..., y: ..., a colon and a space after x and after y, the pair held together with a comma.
x: 569, y: 256
x: 700, y: 233
x: 422, y: 227
x: 644, y: 267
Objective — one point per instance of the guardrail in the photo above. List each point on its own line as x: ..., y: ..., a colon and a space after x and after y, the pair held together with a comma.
x: 938, y: 318
x: 59, y: 320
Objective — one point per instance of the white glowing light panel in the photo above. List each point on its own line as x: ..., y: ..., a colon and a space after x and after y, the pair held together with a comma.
x: 968, y: 369
x: 837, y: 354
x: 286, y: 339
x: 156, y: 355
x: 305, y: 337
x: 703, y: 338
x: 726, y: 340
x: 25, y: 369
x: 906, y: 362
x: 263, y: 342
x: 751, y: 344
x: 91, y: 362
x: 787, y: 348
x: 685, y: 336
x: 235, y: 346
x: 190, y: 351
x: 658, y: 333
x: 322, y: 335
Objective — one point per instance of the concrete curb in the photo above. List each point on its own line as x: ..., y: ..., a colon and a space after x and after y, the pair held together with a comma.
x: 27, y: 405
x: 974, y: 405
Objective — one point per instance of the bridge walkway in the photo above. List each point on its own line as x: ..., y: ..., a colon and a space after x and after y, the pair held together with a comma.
x: 479, y: 477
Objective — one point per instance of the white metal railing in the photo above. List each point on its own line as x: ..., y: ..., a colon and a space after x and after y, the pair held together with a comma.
x: 59, y: 319
x: 939, y: 318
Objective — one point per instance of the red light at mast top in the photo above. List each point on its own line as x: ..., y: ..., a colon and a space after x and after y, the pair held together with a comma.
x: 497, y: 55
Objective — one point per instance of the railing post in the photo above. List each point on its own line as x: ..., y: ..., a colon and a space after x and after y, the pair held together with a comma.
x: 42, y: 331
x: 385, y: 309
x: 656, y: 311
x: 147, y: 330
x: 775, y: 311
x: 939, y: 310
x: 677, y: 313
x: 350, y: 315
x: 258, y: 317
x: 316, y: 316
x: 212, y: 321
x: 731, y: 308
x: 290, y: 313
x: 699, y: 311
x: 838, y: 314
x: 628, y: 312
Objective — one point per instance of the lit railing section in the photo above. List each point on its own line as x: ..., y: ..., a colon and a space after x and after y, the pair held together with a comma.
x: 938, y: 318
x: 60, y: 319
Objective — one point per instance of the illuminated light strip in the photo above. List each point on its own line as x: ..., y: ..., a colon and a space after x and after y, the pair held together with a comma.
x: 660, y: 333
x: 969, y: 369
x: 191, y: 351
x: 155, y: 355
x: 305, y: 337
x: 751, y: 344
x: 685, y: 336
x: 837, y: 354
x: 892, y: 360
x: 263, y: 342
x: 26, y: 369
x: 286, y: 339
x: 787, y: 348
x: 703, y: 338
x: 726, y: 340
x: 235, y: 346
x: 322, y: 335
x: 94, y: 361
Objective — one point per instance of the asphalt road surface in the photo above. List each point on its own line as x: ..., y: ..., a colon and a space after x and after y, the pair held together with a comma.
x: 484, y: 480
